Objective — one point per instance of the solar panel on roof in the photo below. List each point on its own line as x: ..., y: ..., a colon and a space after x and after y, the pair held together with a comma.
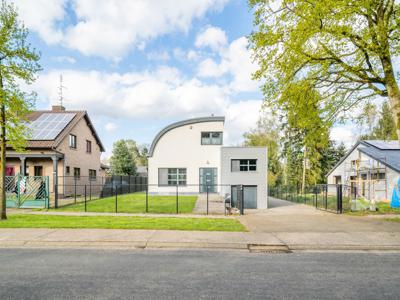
x: 385, y: 145
x: 49, y: 125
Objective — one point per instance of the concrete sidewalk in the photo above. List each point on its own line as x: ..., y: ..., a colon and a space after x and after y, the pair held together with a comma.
x: 131, y: 239
x: 284, y: 226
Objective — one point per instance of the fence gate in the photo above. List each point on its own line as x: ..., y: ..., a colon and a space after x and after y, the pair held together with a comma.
x: 27, y: 191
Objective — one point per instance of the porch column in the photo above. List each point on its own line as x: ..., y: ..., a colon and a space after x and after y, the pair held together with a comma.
x: 55, y: 180
x: 23, y: 168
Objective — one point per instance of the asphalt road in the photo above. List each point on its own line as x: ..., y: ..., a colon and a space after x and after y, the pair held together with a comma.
x: 160, y: 274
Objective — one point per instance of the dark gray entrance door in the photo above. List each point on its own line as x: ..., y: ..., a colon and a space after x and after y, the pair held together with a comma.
x: 208, y: 176
x: 249, y: 196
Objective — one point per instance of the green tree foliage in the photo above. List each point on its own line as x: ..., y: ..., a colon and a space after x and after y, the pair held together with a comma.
x: 18, y: 64
x: 330, y: 156
x: 139, y: 152
x: 344, y: 49
x: 306, y: 132
x: 385, y: 129
x: 266, y: 134
x: 122, y: 162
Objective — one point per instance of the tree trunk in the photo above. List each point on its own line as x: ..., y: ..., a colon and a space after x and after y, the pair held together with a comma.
x: 3, y: 214
x: 394, y: 99
x: 392, y: 89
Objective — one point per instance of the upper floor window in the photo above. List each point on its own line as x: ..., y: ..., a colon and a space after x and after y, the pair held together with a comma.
x: 211, y: 138
x: 243, y: 165
x: 171, y: 176
x: 72, y: 141
x: 88, y: 146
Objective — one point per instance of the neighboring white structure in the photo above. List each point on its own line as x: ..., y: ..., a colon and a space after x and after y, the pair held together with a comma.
x: 190, y: 154
x: 371, y: 169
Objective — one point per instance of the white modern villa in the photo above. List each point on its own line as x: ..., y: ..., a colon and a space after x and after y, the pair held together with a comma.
x: 190, y: 154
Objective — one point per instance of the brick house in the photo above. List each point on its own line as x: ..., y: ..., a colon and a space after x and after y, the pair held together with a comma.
x: 64, y: 144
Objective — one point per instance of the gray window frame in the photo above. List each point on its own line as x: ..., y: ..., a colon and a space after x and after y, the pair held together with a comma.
x: 211, y: 138
x: 248, y: 164
x: 179, y: 181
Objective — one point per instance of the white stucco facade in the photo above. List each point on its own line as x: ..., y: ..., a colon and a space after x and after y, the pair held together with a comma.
x: 180, y: 146
x: 257, y: 178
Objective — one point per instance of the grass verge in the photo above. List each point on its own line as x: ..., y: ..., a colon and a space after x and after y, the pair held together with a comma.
x: 136, y: 203
x: 113, y: 222
x: 383, y: 209
x: 397, y: 220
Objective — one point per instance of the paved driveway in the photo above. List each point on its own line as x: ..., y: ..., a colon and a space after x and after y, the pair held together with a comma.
x: 284, y: 216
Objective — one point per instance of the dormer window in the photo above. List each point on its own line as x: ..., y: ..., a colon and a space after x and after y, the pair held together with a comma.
x: 211, y: 138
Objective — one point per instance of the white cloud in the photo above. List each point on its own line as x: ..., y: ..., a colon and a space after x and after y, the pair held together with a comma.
x: 158, y: 94
x: 42, y: 16
x: 346, y: 134
x: 64, y: 59
x: 110, y: 28
x: 192, y: 55
x: 212, y: 37
x: 235, y: 61
x: 241, y: 117
x: 110, y: 126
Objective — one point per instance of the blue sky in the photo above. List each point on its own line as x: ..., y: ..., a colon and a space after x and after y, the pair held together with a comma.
x: 138, y: 65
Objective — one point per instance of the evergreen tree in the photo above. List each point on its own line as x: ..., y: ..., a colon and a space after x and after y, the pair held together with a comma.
x: 266, y: 134
x: 386, y: 128
x: 122, y: 162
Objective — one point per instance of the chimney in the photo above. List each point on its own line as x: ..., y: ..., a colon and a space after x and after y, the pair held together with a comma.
x: 57, y: 108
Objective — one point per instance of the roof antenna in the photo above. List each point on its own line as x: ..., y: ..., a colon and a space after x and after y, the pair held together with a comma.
x: 60, y: 91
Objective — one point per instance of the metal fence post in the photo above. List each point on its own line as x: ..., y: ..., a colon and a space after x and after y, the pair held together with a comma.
x: 240, y: 199
x: 339, y: 198
x: 116, y: 200
x: 326, y: 197
x: 85, y: 200
x: 90, y: 189
x: 177, y: 204
x: 75, y: 189
x: 147, y: 198
x: 316, y: 196
x: 207, y: 198
x: 56, y: 196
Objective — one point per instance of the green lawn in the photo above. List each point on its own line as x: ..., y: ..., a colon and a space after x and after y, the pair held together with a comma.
x: 393, y: 220
x: 116, y: 222
x: 383, y: 208
x: 136, y: 203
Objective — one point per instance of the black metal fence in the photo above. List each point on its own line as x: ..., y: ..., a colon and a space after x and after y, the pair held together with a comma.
x: 135, y: 195
x: 330, y: 197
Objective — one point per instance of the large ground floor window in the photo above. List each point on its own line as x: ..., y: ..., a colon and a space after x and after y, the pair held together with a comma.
x: 172, y: 176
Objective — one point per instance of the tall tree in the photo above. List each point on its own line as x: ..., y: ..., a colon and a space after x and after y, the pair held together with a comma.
x: 139, y: 152
x: 330, y: 156
x: 18, y: 64
x: 122, y: 162
x: 306, y: 132
x: 266, y: 134
x: 385, y: 129
x: 345, y: 49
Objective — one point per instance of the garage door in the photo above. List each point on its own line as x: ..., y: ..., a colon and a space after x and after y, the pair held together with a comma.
x: 249, y: 196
